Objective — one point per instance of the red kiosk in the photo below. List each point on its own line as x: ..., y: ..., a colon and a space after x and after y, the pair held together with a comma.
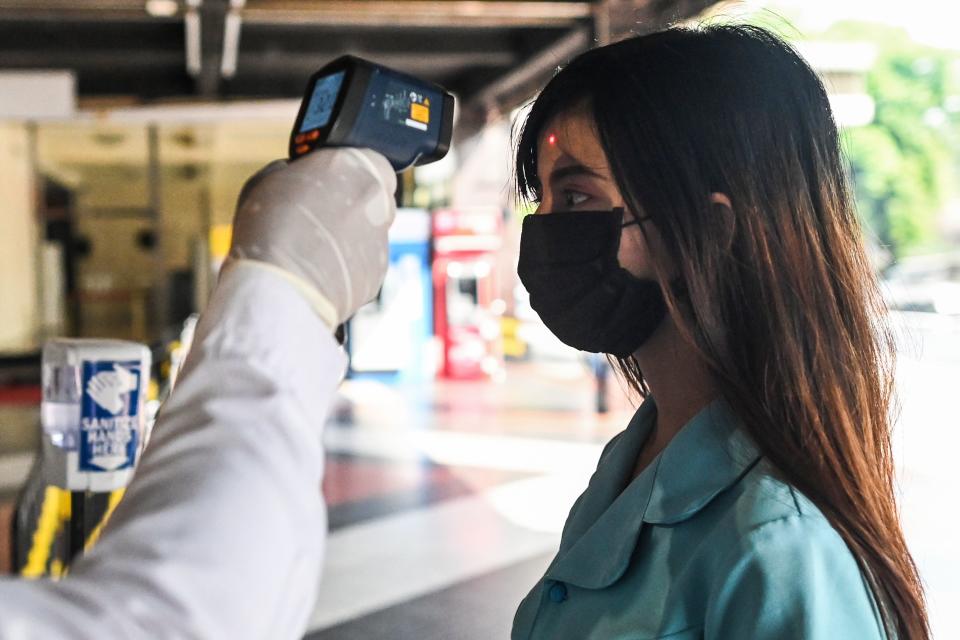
x: 466, y: 310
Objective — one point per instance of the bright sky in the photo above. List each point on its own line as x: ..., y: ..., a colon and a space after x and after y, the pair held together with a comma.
x: 934, y: 22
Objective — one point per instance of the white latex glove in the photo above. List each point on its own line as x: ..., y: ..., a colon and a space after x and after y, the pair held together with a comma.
x: 321, y: 222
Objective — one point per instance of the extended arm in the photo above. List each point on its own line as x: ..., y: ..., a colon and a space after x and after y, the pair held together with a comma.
x: 221, y: 532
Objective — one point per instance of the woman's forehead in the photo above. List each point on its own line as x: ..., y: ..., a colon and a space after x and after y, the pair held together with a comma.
x: 571, y: 136
x: 568, y: 124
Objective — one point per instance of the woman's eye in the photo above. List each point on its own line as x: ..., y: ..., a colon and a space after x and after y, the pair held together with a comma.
x: 574, y: 198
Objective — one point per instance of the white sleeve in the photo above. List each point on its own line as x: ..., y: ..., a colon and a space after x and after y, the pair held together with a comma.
x: 221, y: 533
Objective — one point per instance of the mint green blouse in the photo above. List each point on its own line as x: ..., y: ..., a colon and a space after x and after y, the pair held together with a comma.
x: 705, y: 543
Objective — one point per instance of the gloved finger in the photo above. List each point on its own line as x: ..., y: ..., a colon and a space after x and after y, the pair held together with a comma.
x: 367, y: 167
x: 381, y: 167
x: 256, y: 178
x: 379, y: 213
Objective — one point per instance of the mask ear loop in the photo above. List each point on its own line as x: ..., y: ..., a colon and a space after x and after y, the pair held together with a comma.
x: 636, y: 219
x: 679, y: 287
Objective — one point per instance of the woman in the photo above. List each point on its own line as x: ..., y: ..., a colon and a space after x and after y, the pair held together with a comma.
x: 694, y: 222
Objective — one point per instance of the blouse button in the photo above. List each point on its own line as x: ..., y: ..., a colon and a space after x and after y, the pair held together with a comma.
x: 558, y: 592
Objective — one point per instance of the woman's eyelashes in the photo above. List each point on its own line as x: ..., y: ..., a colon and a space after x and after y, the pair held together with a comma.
x: 570, y: 198
x: 561, y: 199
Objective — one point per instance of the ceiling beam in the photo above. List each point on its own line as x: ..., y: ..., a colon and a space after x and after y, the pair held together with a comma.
x: 67, y: 10
x: 274, y: 63
x: 619, y: 19
x: 337, y: 13
x: 511, y: 88
x: 417, y: 13
x: 438, y: 64
x: 98, y: 60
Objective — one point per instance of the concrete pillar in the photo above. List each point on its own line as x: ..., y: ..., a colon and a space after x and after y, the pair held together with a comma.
x: 19, y: 299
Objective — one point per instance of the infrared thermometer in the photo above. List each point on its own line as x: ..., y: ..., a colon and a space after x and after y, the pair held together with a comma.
x: 352, y: 102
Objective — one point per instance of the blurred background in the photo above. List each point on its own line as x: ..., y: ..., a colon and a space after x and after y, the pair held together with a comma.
x: 465, y: 430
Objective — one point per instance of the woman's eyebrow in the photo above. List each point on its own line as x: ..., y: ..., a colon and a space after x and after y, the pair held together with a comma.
x: 573, y: 170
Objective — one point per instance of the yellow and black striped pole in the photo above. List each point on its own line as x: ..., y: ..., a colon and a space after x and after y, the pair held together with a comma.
x: 59, y: 532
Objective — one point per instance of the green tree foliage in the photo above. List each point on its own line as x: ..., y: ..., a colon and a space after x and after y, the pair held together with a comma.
x: 903, y: 162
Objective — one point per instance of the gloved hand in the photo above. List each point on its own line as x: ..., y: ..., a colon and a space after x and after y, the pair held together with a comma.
x: 321, y: 222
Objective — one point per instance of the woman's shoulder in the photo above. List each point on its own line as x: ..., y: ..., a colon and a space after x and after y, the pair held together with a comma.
x: 766, y: 519
x: 763, y: 503
x: 763, y: 496
x: 776, y: 541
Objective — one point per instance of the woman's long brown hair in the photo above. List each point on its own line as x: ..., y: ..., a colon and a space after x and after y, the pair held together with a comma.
x: 778, y: 294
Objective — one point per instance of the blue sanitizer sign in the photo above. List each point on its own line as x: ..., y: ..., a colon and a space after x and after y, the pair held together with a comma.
x: 108, y: 415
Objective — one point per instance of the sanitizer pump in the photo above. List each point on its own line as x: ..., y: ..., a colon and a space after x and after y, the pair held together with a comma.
x: 93, y: 430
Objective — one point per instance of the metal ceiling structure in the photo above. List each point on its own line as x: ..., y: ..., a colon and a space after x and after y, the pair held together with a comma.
x: 492, y: 53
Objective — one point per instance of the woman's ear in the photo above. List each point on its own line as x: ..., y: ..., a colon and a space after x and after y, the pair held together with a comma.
x: 722, y: 199
x: 723, y: 208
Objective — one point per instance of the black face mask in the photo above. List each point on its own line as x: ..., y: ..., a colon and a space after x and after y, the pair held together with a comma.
x: 568, y: 263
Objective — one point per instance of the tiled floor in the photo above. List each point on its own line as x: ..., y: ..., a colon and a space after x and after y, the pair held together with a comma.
x: 446, y: 500
x: 360, y: 489
x: 481, y: 608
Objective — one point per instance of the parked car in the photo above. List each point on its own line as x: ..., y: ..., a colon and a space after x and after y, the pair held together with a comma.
x: 924, y: 283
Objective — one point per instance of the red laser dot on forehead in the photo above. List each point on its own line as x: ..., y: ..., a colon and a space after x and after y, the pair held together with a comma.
x: 552, y: 139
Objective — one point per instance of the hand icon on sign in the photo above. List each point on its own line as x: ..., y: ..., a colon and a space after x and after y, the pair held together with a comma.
x: 108, y: 388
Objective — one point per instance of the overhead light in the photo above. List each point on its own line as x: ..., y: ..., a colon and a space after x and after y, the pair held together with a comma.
x: 162, y: 8
x: 231, y: 39
x: 191, y: 25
